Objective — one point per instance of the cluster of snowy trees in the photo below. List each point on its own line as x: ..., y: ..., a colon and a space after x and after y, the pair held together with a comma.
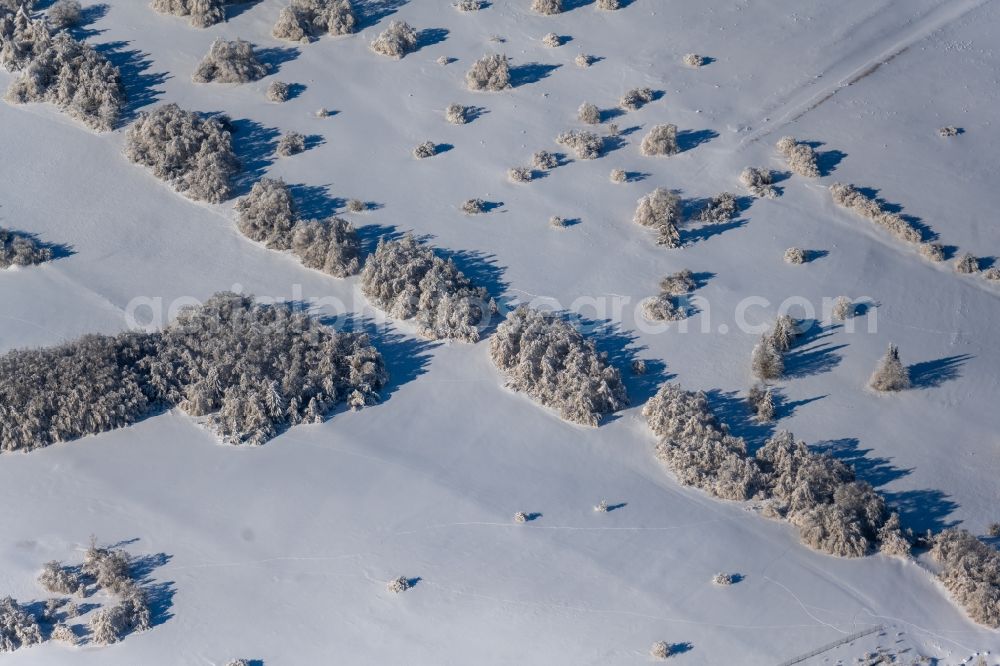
x: 409, y: 281
x: 18, y: 627
x: 834, y: 512
x: 666, y: 306
x: 251, y: 369
x: 304, y: 20
x: 970, y: 571
x: 19, y: 249
x: 229, y: 62
x: 545, y: 357
x: 802, y: 159
x: 58, y: 69
x: 767, y: 361
x: 203, y: 13
x: 396, y: 41
x: 870, y: 208
x: 191, y: 152
x: 268, y: 215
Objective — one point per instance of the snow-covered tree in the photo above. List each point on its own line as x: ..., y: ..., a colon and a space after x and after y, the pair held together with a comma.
x: 19, y: 249
x: 795, y: 255
x: 660, y: 650
x: 278, y: 91
x: 130, y: 614
x: 589, y: 113
x: 192, y: 153
x: 64, y: 14
x: 851, y: 198
x: 230, y: 62
x: 491, y: 72
x: 397, y: 585
x: 552, y: 40
x: 720, y: 208
x: 636, y: 98
x: 661, y: 210
x: 608, y: 5
x: 766, y: 361
x: 22, y: 38
x: 666, y: 306
x: 57, y: 579
x: 761, y: 400
x: 967, y: 264
x: 306, y: 19
x: 583, y: 60
x: 802, y: 159
x: 931, y: 251
x: 396, y: 41
x: 409, y: 281
x: 457, y: 114
x: 267, y: 214
x: 693, y: 60
x: 661, y: 140
x: 544, y: 160
x: 543, y: 356
x: 329, y: 245
x: 585, y: 144
x: 785, y: 330
x: 290, y: 144
x: 519, y: 174
x: 618, y: 176
x: 18, y: 627
x: 203, y: 13
x: 890, y: 374
x: 843, y: 308
x: 425, y: 150
x: 473, y: 206
x: 759, y: 181
x: 547, y: 7
x: 469, y: 5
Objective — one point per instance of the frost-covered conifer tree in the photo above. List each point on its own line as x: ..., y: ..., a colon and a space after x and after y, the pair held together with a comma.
x: 766, y: 361
x: 890, y: 374
x: 661, y: 210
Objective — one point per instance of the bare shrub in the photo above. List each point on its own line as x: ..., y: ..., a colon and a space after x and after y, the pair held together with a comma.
x: 278, y: 91
x: 305, y: 19
x: 519, y: 174
x: 456, y: 114
x: 545, y: 357
x: 720, y: 208
x: 356, y: 206
x: 586, y: 145
x: 636, y: 98
x: 552, y: 40
x: 661, y: 140
x: 970, y: 571
x: 491, y: 72
x: 58, y: 579
x: 890, y: 374
x: 544, y: 160
x: 290, y: 144
x: 229, y: 62
x: 723, y: 579
x: 520, y: 517
x: 583, y: 60
x: 661, y: 210
x: 967, y: 264
x: 398, y: 585
x: 660, y: 650
x: 18, y: 627
x: 547, y: 7
x: 589, y: 113
x: 759, y: 181
x: 203, y: 13
x: 850, y: 197
x: 693, y: 60
x: 409, y: 281
x: 557, y: 222
x: 802, y: 159
x: 602, y: 506
x: 795, y: 255
x: 74, y: 77
x: 473, y: 206
x: 192, y: 153
x: 65, y: 14
x: 396, y: 41
x: 948, y: 132
x: 19, y: 249
x: 618, y: 176
x: 425, y: 149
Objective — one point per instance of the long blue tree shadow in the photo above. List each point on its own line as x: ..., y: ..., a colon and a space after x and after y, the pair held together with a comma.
x: 930, y: 374
x: 141, y: 85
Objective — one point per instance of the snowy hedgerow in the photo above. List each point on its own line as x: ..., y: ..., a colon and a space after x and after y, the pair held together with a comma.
x: 290, y: 369
x: 290, y: 144
x: 693, y: 60
x: 720, y: 208
x: 966, y: 264
x: 583, y: 60
x: 696, y: 447
x: 229, y: 62
x: 970, y: 570
x: 843, y: 308
x: 519, y: 174
x: 553, y: 363
x: 931, y: 251
x: 543, y: 159
x: 759, y: 181
x: 547, y: 7
x: 425, y: 149
x: 609, y: 5
x: 409, y: 281
x: 589, y: 113
x: 58, y: 579
x: 850, y: 197
x: 491, y: 72
x: 802, y: 159
x: 267, y: 214
x: 278, y: 91
x: 397, y: 585
x: 618, y: 176
x: 552, y: 40
x: 18, y: 627
x: 586, y: 145
x: 22, y: 38
x: 761, y: 400
x: 64, y: 14
x: 635, y: 99
x: 203, y: 13
x: 661, y: 210
x: 660, y: 650
x: 890, y: 374
x: 795, y: 255
x: 396, y: 41
x: 329, y: 245
x: 304, y: 19
x: 473, y: 206
x: 766, y: 361
x: 661, y: 140
x: 17, y: 249
x: 192, y: 153
x: 73, y: 76
x: 130, y: 614
x: 456, y: 114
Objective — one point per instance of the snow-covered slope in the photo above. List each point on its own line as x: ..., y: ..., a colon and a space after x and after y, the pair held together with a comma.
x: 281, y: 553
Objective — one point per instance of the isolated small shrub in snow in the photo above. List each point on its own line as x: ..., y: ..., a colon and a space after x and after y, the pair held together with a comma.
x: 553, y: 363
x: 586, y: 145
x: 520, y: 517
x: 519, y: 174
x: 609, y: 5
x: 638, y: 367
x: 759, y: 181
x: 890, y: 374
x: 398, y: 585
x: 557, y: 222
x: 802, y: 159
x: 473, y: 206
x: 970, y: 571
x: 456, y: 114
x: 931, y: 251
x: 356, y: 206
x: 278, y: 91
x: 17, y: 249
x: 693, y: 60
x: 722, y: 579
x: 238, y: 662
x: 329, y: 245
x: 966, y: 264
x: 761, y: 400
x: 766, y: 361
x: 425, y: 149
x: 290, y: 144
x: 203, y: 13
x: 409, y: 281
x: 229, y: 62
x: 322, y: 112
x: 267, y: 214
x: 618, y: 176
x: 949, y: 131
x: 635, y: 98
x: 661, y: 210
x: 679, y: 283
x: 720, y: 208
x: 552, y: 40
x: 661, y: 140
x: 18, y: 627
x: 543, y: 159
x: 469, y: 5
x: 74, y: 77
x: 304, y: 19
x: 795, y: 255
x: 589, y: 113
x: 192, y: 153
x: 850, y: 197
x: 491, y: 72
x: 58, y: 579
x: 583, y: 60
x: 602, y: 506
x: 843, y: 308
x: 548, y: 7
x: 396, y: 41
x: 660, y: 650
x: 64, y: 14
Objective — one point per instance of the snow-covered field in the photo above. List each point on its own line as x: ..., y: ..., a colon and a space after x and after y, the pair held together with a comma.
x: 282, y: 552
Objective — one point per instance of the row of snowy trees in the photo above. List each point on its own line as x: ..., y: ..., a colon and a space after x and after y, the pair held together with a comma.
x: 250, y: 369
x: 54, y: 67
